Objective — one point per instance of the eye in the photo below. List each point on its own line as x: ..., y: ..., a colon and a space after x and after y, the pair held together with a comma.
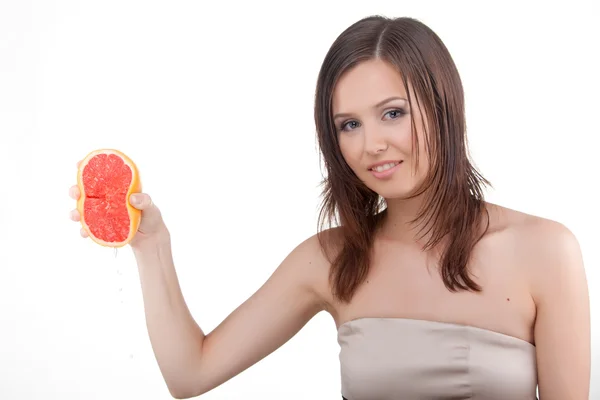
x: 395, y: 113
x: 349, y: 125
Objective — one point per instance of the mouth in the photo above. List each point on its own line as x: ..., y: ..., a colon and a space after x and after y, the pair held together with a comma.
x: 382, y: 167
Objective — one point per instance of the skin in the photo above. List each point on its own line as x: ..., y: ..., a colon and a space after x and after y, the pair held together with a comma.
x: 530, y: 268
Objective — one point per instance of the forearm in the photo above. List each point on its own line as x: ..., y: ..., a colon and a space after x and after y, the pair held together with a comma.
x: 175, y: 337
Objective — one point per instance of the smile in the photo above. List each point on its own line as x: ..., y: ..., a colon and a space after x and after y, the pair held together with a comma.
x: 385, y: 167
x: 385, y: 170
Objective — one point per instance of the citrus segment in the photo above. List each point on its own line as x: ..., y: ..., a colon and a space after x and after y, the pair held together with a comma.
x: 106, y: 178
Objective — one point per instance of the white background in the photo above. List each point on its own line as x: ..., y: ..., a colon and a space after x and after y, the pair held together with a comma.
x: 214, y: 103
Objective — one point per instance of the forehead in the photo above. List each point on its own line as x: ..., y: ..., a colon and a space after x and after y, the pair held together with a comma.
x: 366, y: 85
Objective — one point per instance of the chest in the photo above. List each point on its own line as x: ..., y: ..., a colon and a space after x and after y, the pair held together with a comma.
x: 410, y: 359
x: 405, y: 282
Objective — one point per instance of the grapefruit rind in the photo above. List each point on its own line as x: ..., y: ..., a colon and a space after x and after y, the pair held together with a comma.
x: 134, y: 187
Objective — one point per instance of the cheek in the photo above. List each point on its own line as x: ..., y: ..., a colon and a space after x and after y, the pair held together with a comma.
x: 401, y: 143
x: 350, y: 151
x: 421, y: 169
x: 404, y: 142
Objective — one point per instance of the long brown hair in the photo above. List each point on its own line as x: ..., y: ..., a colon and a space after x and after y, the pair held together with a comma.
x: 453, y: 189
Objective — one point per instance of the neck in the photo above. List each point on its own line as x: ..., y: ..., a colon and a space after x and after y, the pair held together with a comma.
x: 400, y: 224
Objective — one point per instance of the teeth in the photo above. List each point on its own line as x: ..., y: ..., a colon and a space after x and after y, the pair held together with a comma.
x: 385, y: 167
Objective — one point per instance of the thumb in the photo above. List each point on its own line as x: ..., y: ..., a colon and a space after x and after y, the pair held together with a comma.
x: 141, y: 201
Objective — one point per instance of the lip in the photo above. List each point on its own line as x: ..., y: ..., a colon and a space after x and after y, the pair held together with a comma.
x: 387, y: 173
x: 383, y: 163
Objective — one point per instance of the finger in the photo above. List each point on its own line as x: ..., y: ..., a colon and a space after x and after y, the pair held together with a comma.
x: 141, y: 201
x: 74, y: 215
x: 83, y: 233
x: 74, y: 192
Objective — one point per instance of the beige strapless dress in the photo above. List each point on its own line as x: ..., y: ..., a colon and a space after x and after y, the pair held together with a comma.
x: 406, y: 359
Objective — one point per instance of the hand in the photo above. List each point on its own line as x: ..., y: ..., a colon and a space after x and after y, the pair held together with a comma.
x: 151, y: 223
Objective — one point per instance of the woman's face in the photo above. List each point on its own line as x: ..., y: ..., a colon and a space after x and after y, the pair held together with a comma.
x: 372, y: 117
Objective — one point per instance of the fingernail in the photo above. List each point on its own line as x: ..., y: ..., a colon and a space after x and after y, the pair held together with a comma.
x: 135, y: 199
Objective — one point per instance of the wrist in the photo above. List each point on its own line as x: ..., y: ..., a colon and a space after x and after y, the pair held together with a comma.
x: 151, y: 243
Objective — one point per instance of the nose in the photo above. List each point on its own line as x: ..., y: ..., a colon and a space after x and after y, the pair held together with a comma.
x: 375, y: 141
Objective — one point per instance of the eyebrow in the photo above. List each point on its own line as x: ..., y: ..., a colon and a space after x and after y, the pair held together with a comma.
x: 381, y: 103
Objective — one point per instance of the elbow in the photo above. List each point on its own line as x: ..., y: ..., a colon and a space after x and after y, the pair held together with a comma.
x: 181, y: 395
x: 182, y: 392
x: 184, y: 388
x: 186, y: 381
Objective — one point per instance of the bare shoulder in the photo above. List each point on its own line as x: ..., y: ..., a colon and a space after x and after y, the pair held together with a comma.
x: 312, y: 255
x: 551, y: 256
x: 546, y: 251
x: 547, y: 247
x: 311, y: 262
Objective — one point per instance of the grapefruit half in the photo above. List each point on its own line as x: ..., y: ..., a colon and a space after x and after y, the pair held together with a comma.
x: 106, y: 178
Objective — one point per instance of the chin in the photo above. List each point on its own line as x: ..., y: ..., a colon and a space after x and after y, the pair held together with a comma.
x: 392, y: 192
x: 391, y: 196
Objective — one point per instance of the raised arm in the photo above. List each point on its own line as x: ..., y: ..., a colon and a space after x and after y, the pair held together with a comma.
x: 193, y: 363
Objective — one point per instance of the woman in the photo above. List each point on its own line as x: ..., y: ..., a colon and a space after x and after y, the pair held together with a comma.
x: 435, y: 292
